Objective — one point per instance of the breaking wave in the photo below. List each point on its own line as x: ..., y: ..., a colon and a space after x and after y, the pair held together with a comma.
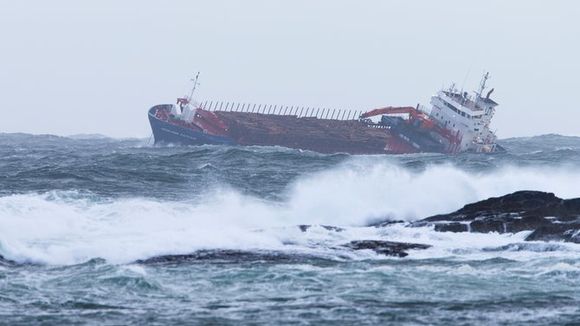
x: 68, y: 227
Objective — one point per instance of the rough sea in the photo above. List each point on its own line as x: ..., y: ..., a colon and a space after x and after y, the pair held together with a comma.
x: 104, y: 231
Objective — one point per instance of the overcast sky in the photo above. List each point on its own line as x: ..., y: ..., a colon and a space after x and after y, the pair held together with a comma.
x: 70, y: 67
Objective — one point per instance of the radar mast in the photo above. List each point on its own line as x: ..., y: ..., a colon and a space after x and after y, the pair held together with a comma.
x: 482, y: 83
x: 195, y: 83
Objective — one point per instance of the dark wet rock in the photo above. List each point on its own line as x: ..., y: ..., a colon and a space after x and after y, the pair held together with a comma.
x: 381, y: 224
x: 227, y: 257
x: 305, y: 227
x: 388, y: 248
x: 452, y: 227
x: 549, y: 217
x: 556, y: 232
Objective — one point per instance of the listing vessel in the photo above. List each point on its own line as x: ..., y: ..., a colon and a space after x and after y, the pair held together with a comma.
x: 456, y: 122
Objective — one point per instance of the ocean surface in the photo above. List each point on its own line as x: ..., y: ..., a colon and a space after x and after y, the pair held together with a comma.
x: 82, y: 217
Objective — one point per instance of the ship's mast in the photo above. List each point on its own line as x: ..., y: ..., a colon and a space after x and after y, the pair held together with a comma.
x: 195, y: 83
x: 482, y: 83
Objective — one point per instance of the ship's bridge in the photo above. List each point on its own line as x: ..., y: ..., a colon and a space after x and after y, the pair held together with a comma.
x: 464, y: 115
x: 458, y: 104
x: 463, y: 100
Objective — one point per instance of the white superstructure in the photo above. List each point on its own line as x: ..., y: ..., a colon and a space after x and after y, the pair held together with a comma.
x: 466, y: 116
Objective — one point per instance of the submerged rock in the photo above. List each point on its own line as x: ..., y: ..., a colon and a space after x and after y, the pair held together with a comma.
x: 388, y: 248
x: 549, y: 217
x: 228, y: 256
x: 306, y: 227
x: 388, y: 222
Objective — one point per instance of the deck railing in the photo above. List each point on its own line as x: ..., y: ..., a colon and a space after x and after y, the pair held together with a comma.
x: 298, y: 111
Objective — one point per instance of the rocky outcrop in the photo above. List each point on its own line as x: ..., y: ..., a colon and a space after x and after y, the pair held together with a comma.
x: 226, y: 256
x: 388, y: 248
x: 549, y: 217
x: 556, y: 232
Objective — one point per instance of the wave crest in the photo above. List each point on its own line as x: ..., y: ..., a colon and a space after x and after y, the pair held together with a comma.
x: 71, y: 227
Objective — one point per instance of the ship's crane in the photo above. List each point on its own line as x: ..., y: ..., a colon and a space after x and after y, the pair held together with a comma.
x: 414, y: 114
x: 388, y: 110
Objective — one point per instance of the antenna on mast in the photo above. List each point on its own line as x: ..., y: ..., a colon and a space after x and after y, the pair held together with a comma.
x: 195, y: 83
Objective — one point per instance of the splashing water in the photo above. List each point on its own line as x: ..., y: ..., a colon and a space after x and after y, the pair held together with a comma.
x: 83, y: 211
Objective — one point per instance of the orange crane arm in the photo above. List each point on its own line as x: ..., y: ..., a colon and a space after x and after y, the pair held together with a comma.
x: 390, y: 110
x: 414, y: 114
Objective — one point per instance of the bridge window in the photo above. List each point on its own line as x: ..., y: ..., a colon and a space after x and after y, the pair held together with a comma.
x: 456, y: 110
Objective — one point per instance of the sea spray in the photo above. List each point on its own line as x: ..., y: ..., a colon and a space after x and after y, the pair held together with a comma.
x: 70, y: 227
x: 84, y: 211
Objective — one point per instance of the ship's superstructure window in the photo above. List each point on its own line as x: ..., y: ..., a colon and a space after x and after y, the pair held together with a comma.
x: 456, y: 110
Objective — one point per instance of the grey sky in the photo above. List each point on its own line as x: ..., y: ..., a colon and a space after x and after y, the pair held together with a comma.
x: 69, y: 67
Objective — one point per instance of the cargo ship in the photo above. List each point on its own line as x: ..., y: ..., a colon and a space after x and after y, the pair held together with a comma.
x: 456, y: 122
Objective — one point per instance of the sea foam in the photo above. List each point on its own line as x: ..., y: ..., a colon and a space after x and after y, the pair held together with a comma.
x: 68, y: 227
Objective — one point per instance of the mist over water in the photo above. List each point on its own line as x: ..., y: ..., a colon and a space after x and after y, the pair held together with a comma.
x: 77, y: 213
